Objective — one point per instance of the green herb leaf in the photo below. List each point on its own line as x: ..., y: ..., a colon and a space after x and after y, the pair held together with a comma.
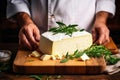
x: 64, y: 60
x: 94, y: 51
x: 63, y: 28
x: 37, y: 77
x: 66, y: 56
x: 112, y: 60
x: 61, y: 24
x: 76, y: 52
x: 52, y: 29
x: 78, y: 55
x: 82, y: 29
x: 71, y: 57
x: 74, y: 25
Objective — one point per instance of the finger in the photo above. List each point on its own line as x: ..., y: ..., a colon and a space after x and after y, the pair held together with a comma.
x: 94, y: 35
x: 104, y: 43
x: 105, y: 35
x: 24, y: 42
x: 103, y: 39
x: 106, y: 40
x: 108, y: 36
x: 29, y: 35
x: 36, y: 34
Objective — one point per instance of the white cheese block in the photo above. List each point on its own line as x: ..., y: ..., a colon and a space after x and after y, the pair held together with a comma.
x: 61, y: 43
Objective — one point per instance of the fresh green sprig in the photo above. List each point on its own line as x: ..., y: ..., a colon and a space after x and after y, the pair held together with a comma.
x: 37, y: 77
x: 63, y: 28
x: 68, y: 57
x: 97, y: 51
x: 64, y: 60
x: 94, y: 51
x: 111, y: 60
x: 46, y: 77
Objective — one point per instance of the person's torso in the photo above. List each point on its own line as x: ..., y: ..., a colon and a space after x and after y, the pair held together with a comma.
x: 46, y: 13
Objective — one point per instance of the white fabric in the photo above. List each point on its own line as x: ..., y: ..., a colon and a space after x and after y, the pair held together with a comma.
x: 79, y: 12
x: 15, y: 6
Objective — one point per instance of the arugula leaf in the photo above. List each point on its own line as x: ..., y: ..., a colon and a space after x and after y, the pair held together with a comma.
x: 37, y: 77
x: 94, y: 51
x: 63, y: 28
x: 82, y: 29
x: 112, y: 60
x: 97, y: 51
x: 76, y: 52
x: 64, y: 60
x: 66, y: 55
x: 74, y: 25
x: 53, y: 29
x: 78, y: 55
x: 61, y: 24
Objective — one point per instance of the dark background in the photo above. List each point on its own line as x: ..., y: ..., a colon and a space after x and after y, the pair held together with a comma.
x: 9, y: 30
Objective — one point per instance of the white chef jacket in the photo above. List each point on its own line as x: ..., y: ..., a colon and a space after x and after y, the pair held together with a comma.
x: 45, y: 13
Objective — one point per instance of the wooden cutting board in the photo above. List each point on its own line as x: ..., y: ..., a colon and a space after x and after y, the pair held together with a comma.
x: 29, y: 65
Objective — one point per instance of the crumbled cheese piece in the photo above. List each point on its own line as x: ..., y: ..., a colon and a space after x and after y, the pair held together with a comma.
x: 45, y: 57
x: 58, y: 57
x: 53, y: 57
x: 35, y: 54
x: 84, y: 57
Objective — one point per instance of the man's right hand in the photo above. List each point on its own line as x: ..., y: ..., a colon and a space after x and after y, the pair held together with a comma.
x: 29, y: 34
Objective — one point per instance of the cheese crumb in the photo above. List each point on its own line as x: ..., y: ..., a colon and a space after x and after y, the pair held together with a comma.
x: 53, y: 57
x: 34, y: 54
x: 59, y: 56
x: 45, y: 57
x: 84, y: 57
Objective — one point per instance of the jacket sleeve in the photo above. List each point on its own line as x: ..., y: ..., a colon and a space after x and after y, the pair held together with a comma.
x: 15, y: 6
x: 106, y: 5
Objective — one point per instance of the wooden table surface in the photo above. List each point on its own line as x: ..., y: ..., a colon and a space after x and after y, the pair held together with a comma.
x: 12, y: 76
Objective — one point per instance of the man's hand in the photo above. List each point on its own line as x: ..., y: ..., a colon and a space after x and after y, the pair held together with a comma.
x: 29, y: 36
x: 100, y: 32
